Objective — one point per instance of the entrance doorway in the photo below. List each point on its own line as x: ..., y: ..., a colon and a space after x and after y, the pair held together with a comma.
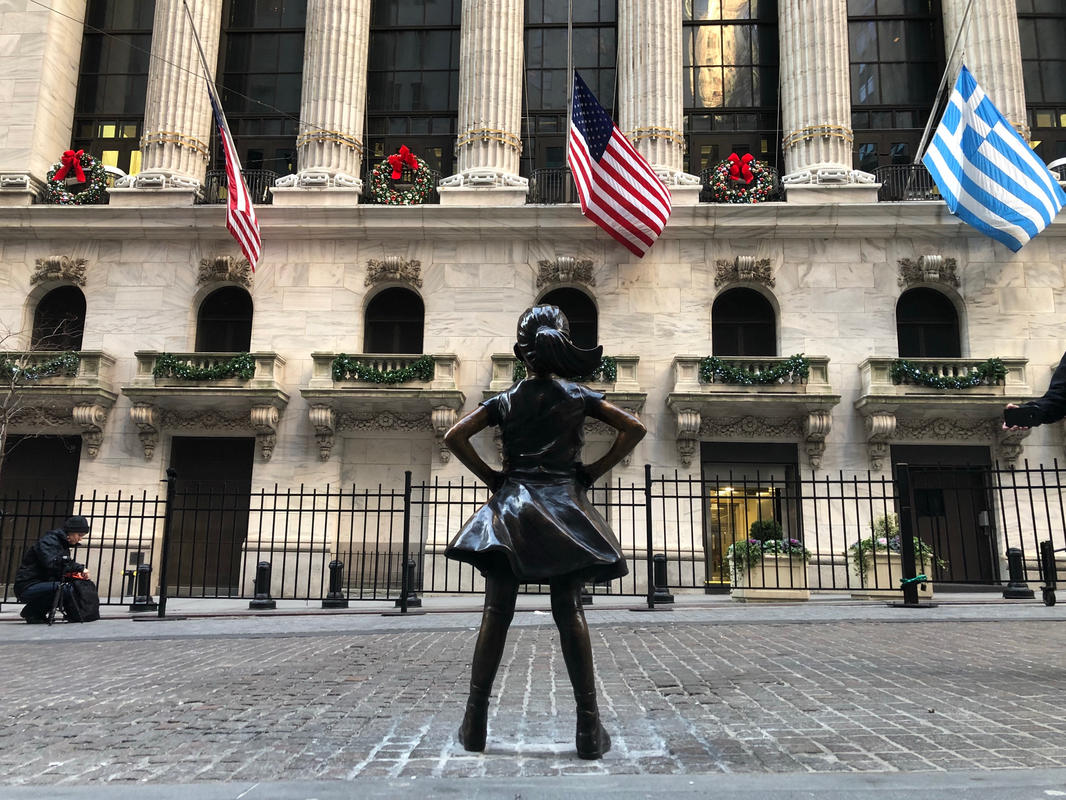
x: 210, y: 518
x: 953, y: 508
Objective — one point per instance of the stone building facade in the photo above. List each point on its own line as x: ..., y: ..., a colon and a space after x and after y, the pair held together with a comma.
x: 821, y: 272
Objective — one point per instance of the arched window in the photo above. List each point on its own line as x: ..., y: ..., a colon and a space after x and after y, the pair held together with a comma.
x: 743, y: 323
x: 59, y: 320
x: 581, y: 313
x: 927, y: 325
x: 224, y: 324
x: 394, y: 322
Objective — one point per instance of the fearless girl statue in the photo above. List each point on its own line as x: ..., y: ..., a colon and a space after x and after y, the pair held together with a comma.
x: 538, y: 525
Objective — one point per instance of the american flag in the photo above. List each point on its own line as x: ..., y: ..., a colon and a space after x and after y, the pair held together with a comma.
x: 241, y: 221
x: 618, y: 189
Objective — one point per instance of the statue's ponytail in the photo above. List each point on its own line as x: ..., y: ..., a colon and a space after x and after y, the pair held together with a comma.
x: 544, y: 343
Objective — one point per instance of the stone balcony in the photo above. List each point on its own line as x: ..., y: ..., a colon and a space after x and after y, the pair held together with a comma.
x: 791, y: 408
x: 909, y: 411
x: 235, y: 405
x: 73, y: 396
x: 624, y: 391
x: 379, y: 396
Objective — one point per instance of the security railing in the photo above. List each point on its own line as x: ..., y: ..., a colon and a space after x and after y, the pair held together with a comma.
x: 551, y: 187
x: 259, y: 182
x: 905, y: 182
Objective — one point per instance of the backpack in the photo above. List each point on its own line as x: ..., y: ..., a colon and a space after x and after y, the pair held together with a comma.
x: 81, y: 601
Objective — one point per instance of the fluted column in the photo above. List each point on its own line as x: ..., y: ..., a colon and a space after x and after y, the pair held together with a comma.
x: 649, y: 87
x: 816, y: 100
x: 332, y: 104
x: 490, y: 106
x: 991, y: 48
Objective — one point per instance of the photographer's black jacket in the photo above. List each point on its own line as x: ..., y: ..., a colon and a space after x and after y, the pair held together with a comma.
x: 1053, y: 404
x: 45, y: 561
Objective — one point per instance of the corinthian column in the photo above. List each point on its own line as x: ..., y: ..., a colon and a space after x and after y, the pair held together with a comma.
x: 490, y: 107
x: 991, y: 48
x: 649, y: 86
x: 816, y: 104
x: 332, y: 105
x: 177, y: 111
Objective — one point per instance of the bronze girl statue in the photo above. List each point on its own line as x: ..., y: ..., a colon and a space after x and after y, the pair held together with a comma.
x: 539, y: 526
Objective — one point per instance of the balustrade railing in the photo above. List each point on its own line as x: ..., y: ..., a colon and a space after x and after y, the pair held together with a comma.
x: 905, y: 182
x: 259, y: 182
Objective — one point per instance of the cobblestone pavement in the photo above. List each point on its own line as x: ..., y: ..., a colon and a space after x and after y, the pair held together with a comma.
x: 680, y: 697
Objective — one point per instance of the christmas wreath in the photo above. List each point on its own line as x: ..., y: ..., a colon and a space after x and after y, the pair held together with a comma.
x: 384, y: 176
x: 83, y: 168
x: 741, y: 179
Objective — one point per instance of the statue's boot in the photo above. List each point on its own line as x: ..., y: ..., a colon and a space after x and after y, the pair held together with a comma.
x: 592, y: 740
x: 474, y: 727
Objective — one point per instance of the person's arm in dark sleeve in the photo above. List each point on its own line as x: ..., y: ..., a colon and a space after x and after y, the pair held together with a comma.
x: 1053, y: 404
x: 52, y: 556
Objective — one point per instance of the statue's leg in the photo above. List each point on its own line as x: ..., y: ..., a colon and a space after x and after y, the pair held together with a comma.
x: 500, y: 594
x: 592, y: 739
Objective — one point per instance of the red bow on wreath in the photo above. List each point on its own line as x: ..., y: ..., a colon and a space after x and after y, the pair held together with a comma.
x: 397, y: 161
x: 70, y: 160
x: 740, y: 167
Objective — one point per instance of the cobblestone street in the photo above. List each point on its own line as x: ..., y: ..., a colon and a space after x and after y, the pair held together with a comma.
x: 680, y: 696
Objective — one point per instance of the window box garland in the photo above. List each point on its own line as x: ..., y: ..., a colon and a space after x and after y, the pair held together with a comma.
x: 240, y: 366
x: 64, y: 364
x: 607, y: 372
x: 350, y: 369
x: 715, y: 370
x: 988, y: 372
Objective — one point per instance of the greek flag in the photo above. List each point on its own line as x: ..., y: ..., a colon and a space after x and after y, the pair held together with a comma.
x: 990, y: 178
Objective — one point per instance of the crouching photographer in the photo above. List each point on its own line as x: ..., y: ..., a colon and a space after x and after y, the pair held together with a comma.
x: 46, y: 566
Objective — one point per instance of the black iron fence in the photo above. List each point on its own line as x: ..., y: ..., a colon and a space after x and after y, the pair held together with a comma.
x: 750, y: 533
x: 259, y: 182
x: 551, y: 187
x: 906, y: 182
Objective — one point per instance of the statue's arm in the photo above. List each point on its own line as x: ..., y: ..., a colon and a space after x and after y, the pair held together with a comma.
x: 457, y: 439
x: 630, y: 431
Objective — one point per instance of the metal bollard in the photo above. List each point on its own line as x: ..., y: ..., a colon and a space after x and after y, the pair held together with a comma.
x: 335, y: 598
x: 1017, y: 589
x: 141, y: 591
x: 413, y: 600
x: 262, y: 588
x: 662, y: 585
x: 1047, y: 572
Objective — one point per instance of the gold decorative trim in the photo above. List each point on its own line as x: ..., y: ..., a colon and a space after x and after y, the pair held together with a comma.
x: 675, y: 136
x: 489, y: 135
x: 818, y: 132
x: 172, y: 137
x: 336, y: 137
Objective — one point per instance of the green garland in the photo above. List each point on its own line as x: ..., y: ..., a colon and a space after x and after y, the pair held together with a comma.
x: 65, y: 364
x: 95, y: 191
x: 987, y: 372
x: 241, y: 366
x: 714, y: 370
x: 607, y: 372
x: 349, y: 369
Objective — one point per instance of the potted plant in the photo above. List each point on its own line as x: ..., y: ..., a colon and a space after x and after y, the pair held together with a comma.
x: 876, y: 561
x: 767, y: 566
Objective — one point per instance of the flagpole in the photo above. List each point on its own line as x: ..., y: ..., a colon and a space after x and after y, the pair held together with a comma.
x: 207, y: 72
x: 569, y: 64
x: 943, y: 83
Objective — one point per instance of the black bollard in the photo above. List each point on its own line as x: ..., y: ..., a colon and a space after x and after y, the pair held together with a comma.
x: 141, y: 591
x: 262, y: 588
x: 1017, y: 589
x: 335, y: 598
x: 662, y: 585
x: 413, y: 600
x: 1047, y: 572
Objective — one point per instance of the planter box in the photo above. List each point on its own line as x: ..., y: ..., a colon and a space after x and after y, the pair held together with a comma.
x: 882, y: 578
x: 776, y: 577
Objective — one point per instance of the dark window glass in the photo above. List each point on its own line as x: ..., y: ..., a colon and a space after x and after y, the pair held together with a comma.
x: 897, y: 57
x: 113, y: 81
x: 260, y: 73
x: 395, y: 319
x: 580, y: 312
x: 224, y: 324
x: 730, y: 64
x: 743, y: 324
x: 546, y: 81
x: 927, y: 325
x: 1042, y: 27
x: 59, y: 320
x: 413, y: 81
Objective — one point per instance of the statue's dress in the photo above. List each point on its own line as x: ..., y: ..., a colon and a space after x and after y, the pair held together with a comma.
x: 540, y: 522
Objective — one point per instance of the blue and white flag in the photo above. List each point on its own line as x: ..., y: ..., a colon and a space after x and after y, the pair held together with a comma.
x: 990, y: 178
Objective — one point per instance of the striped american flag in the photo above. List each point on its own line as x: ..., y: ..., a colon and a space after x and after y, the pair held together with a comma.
x: 618, y: 189
x: 241, y: 221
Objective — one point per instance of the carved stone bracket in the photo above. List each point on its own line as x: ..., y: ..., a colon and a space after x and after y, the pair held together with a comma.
x: 565, y: 269
x: 265, y: 421
x: 1009, y: 444
x: 443, y: 419
x: 220, y: 269
x: 59, y: 268
x: 324, y: 423
x: 744, y: 268
x: 689, y: 423
x: 880, y: 428
x: 394, y: 268
x: 143, y: 415
x: 91, y: 418
x: 928, y: 269
x: 816, y: 428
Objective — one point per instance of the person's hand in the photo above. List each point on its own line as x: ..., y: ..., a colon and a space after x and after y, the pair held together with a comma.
x: 1007, y: 427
